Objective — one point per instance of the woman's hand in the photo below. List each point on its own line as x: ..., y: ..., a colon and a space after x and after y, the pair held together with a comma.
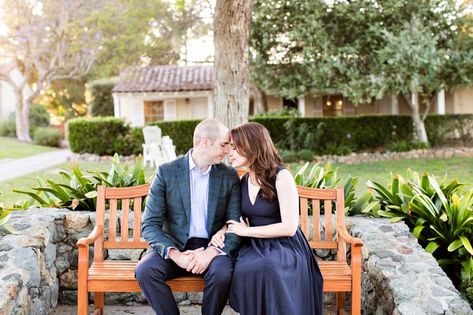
x: 239, y: 228
x: 219, y: 238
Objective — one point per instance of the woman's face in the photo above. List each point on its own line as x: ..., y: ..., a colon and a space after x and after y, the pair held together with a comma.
x: 236, y: 159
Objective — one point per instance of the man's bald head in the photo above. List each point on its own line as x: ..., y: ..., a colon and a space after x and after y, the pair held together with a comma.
x: 210, y: 128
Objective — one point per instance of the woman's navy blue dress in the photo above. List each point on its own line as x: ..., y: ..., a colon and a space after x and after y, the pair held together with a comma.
x: 274, y: 276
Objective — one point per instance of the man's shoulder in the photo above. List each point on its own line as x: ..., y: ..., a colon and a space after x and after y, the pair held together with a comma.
x: 172, y: 165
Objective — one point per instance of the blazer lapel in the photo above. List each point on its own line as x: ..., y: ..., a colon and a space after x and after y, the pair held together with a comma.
x: 215, y: 185
x: 184, y: 185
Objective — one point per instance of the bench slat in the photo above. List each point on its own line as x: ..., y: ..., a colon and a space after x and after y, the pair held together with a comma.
x: 137, y: 219
x: 112, y: 230
x: 119, y: 276
x: 125, y: 245
x: 124, y: 220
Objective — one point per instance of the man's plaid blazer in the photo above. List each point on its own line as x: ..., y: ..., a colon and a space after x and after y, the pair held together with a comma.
x: 167, y: 216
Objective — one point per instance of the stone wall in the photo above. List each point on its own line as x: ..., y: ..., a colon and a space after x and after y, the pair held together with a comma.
x: 399, y: 277
x: 38, y: 267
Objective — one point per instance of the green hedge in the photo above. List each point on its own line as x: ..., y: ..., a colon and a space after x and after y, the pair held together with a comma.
x: 97, y: 135
x: 321, y: 135
x: 181, y: 132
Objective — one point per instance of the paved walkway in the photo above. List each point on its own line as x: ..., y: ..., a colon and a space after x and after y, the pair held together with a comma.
x: 19, y: 167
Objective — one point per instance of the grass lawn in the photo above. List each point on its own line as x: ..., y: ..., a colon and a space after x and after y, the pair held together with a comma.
x: 460, y: 168
x: 453, y: 168
x: 12, y: 148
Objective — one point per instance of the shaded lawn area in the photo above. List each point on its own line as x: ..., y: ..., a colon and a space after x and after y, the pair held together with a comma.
x: 30, y: 180
x: 12, y: 148
x: 460, y: 168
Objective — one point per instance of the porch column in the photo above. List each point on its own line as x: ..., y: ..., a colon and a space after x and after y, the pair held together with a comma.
x: 441, y: 102
x: 394, y: 104
x: 116, y: 105
x: 301, y: 105
x: 210, y: 110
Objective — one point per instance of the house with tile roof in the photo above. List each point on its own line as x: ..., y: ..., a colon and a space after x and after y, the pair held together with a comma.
x: 7, y: 94
x: 165, y: 93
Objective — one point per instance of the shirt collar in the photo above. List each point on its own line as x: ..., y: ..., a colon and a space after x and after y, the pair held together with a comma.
x: 192, y: 165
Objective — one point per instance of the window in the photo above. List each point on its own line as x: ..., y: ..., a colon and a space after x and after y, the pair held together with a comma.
x: 333, y: 105
x: 154, y: 111
x: 290, y: 103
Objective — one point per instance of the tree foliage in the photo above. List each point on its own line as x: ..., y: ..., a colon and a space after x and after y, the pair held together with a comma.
x: 361, y: 48
x: 144, y: 32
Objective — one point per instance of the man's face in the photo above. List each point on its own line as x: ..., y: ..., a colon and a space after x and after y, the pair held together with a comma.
x: 216, y: 151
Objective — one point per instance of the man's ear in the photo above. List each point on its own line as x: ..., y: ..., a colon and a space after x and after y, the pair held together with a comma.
x: 205, y: 141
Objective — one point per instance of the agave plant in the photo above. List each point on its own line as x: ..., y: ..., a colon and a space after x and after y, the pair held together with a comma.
x: 394, y: 199
x: 79, y: 190
x: 449, y: 227
x: 5, y: 213
x: 326, y: 177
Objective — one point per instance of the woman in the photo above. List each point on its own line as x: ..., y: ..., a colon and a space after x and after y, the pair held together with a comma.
x: 275, y: 271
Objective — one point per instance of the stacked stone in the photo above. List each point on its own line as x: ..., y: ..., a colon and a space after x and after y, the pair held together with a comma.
x: 399, y: 277
x: 38, y: 267
x: 28, y: 263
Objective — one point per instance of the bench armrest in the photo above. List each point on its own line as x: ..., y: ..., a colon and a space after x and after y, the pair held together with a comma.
x: 344, y: 235
x: 86, y: 241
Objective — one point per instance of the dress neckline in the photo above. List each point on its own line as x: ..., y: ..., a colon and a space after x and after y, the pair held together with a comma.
x: 248, y: 191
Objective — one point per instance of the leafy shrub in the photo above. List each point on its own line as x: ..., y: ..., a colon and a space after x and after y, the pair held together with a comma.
x: 289, y: 156
x: 102, y: 100
x: 38, y: 117
x: 77, y: 191
x: 48, y: 136
x: 8, y: 127
x: 324, y: 176
x: 334, y: 149
x: 97, y: 135
x: 404, y: 146
x: 5, y: 213
x: 284, y: 112
x: 181, y: 132
x: 444, y: 128
x: 467, y: 279
x: 439, y: 214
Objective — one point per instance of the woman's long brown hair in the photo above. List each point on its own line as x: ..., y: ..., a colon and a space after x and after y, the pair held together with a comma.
x: 252, y: 140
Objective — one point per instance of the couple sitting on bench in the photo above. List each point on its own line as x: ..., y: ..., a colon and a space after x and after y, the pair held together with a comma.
x: 242, y: 236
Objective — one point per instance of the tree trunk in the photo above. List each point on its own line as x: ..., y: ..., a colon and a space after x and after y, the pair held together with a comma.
x: 420, y: 133
x: 22, y: 123
x: 231, y: 39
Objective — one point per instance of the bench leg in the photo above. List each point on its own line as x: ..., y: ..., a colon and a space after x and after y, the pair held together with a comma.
x: 356, y: 302
x: 340, y: 302
x: 99, y: 302
x: 82, y: 301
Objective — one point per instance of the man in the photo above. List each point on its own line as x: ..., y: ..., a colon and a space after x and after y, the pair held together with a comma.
x: 190, y: 199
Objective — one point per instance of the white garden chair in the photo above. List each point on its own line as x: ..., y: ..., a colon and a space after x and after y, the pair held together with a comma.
x: 152, y: 137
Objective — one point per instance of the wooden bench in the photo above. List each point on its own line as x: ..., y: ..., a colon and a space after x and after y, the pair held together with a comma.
x: 118, y: 276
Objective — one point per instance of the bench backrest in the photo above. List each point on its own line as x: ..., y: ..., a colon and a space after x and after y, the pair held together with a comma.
x: 330, y: 202
x: 121, y: 205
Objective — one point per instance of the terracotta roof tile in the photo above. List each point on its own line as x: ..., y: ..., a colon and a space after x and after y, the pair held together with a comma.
x: 166, y: 79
